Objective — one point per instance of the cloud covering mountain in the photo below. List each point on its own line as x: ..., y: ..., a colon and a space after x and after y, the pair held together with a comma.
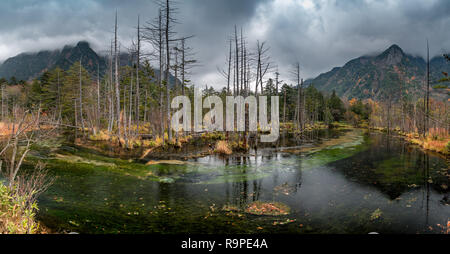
x: 320, y: 34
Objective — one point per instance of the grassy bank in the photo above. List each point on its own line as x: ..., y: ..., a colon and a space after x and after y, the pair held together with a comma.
x: 218, y: 142
x: 437, y: 140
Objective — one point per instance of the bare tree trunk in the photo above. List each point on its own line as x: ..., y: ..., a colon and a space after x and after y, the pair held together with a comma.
x: 167, y: 27
x: 98, y: 97
x: 427, y: 112
x: 242, y: 63
x: 302, y: 105
x: 130, y: 104
x: 389, y: 115
x: 161, y: 66
x: 145, y: 106
x: 124, y: 116
x: 76, y: 117
x: 284, y: 107
x: 138, y: 55
x: 81, y: 99
x: 3, y: 92
x: 110, y: 92
x: 237, y: 59
x: 116, y: 82
x: 183, y: 66
x: 59, y: 100
x: 175, y: 69
x: 299, y: 113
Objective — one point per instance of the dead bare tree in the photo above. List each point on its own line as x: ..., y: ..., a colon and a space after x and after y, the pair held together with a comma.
x: 263, y: 65
x: 80, y: 98
x: 298, y: 110
x: 168, y: 34
x: 138, y: 62
x: 427, y: 108
x: 32, y: 184
x: 16, y: 145
x: 98, y: 100
x: 110, y: 92
x: 116, y: 81
x: 187, y: 61
x: 3, y: 90
x: 227, y: 73
x: 154, y: 33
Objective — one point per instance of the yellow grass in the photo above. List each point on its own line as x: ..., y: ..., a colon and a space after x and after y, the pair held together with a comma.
x: 222, y: 147
x: 159, y: 141
x: 437, y: 140
x: 100, y: 136
x: 7, y: 128
x: 440, y: 146
x: 169, y: 162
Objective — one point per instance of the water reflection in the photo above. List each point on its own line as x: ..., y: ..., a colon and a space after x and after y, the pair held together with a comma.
x: 389, y: 176
x: 371, y: 183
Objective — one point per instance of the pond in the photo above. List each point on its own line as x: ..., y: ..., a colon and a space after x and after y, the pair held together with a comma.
x: 346, y: 181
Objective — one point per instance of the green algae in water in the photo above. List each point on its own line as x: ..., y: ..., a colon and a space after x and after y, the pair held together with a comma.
x: 336, y: 152
x: 85, y: 159
x: 233, y: 178
x: 123, y: 199
x: 376, y: 214
x: 399, y: 170
x: 166, y: 180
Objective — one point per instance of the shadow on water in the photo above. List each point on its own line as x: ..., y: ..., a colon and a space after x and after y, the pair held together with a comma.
x: 362, y: 183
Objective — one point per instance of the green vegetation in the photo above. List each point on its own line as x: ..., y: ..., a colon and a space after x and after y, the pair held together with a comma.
x: 102, y: 125
x: 16, y: 215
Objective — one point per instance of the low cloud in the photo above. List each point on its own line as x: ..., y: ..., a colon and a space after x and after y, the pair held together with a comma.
x: 319, y: 34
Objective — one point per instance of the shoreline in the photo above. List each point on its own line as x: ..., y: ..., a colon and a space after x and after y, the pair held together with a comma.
x: 424, y: 144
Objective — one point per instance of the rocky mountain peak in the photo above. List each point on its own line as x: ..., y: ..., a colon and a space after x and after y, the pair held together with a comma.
x: 392, y: 56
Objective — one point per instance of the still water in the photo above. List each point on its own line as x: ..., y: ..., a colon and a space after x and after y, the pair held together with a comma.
x: 342, y: 182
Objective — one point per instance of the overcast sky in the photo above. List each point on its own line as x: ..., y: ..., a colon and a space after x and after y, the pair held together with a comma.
x: 319, y: 34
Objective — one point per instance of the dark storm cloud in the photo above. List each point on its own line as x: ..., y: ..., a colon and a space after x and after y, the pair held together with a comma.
x: 320, y: 34
x: 325, y: 34
x: 31, y: 25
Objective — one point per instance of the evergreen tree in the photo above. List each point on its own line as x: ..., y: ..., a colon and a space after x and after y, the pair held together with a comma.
x: 336, y: 106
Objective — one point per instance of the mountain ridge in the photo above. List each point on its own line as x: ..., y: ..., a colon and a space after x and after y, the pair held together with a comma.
x: 380, y: 76
x: 30, y: 65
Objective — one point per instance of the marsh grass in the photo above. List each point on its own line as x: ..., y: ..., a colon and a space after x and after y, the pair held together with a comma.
x: 222, y: 147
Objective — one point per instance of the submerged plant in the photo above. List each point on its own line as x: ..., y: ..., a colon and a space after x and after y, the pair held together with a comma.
x: 376, y: 214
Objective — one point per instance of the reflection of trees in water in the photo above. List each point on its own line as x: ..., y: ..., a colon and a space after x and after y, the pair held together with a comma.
x: 426, y: 170
x: 392, y: 166
x: 167, y: 192
x: 420, y: 160
x: 244, y: 190
x: 298, y: 177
